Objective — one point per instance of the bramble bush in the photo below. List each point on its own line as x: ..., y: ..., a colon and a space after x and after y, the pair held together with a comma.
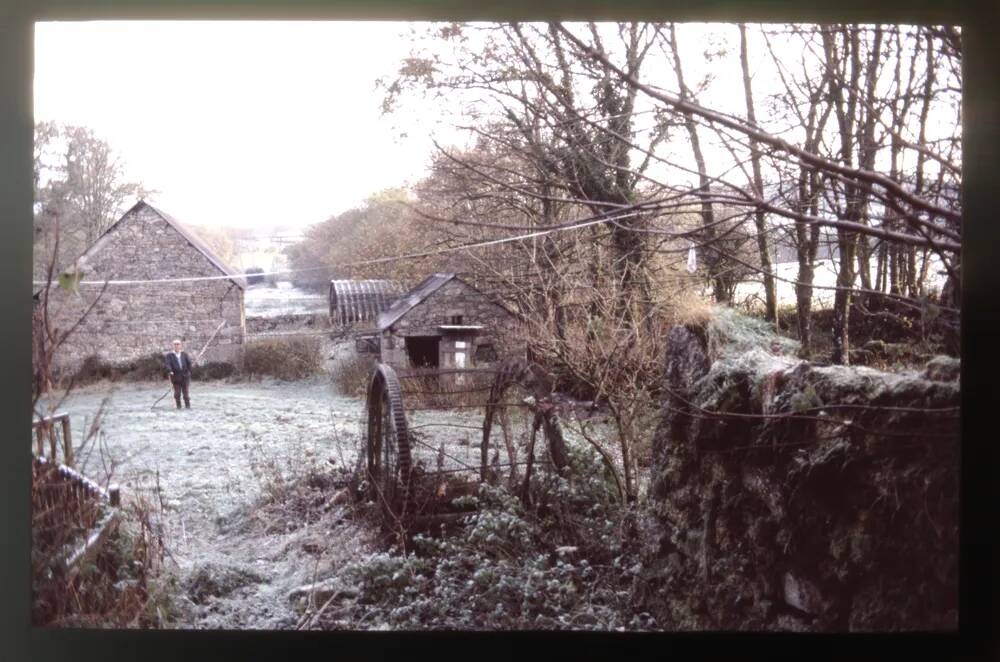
x: 351, y: 374
x: 122, y: 586
x: 212, y: 370
x: 287, y: 358
x: 147, y: 368
x: 560, y: 564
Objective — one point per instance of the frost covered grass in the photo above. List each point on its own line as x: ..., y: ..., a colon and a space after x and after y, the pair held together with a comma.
x: 211, y: 470
x: 563, y: 563
x: 731, y: 333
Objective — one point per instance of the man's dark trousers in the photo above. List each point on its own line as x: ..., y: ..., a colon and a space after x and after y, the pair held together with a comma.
x: 181, y: 383
x: 180, y: 377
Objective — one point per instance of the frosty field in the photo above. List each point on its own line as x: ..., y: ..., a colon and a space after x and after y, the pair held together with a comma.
x: 210, y: 463
x: 206, y: 468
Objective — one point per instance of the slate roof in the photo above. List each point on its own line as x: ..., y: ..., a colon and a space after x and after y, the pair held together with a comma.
x: 189, y: 236
x: 361, y: 300
x: 406, y: 303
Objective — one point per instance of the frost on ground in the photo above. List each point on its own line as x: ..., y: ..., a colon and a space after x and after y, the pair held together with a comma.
x: 283, y: 299
x: 824, y: 281
x: 212, y: 463
x: 247, y: 497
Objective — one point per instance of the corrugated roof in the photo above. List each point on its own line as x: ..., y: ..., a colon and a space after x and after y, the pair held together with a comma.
x: 189, y: 236
x: 354, y: 301
x: 405, y: 303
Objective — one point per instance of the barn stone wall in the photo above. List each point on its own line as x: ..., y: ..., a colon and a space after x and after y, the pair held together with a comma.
x: 264, y: 328
x: 453, y: 298
x: 132, y: 321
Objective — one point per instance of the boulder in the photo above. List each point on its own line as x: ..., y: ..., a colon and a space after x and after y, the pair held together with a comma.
x: 943, y: 369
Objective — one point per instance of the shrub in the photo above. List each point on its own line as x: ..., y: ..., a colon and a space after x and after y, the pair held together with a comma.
x: 148, y: 368
x: 286, y: 358
x: 350, y: 375
x: 560, y: 564
x: 122, y: 586
x: 446, y: 391
x: 213, y: 370
x: 93, y: 369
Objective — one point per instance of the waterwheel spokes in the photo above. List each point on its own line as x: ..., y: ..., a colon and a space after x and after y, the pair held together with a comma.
x: 388, y: 446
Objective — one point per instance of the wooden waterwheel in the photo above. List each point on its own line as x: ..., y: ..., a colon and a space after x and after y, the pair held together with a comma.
x: 388, y: 447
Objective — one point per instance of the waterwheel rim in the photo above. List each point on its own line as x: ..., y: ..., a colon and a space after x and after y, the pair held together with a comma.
x: 388, y: 446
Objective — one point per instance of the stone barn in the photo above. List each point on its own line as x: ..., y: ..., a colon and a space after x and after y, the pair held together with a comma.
x: 446, y: 323
x: 136, y: 318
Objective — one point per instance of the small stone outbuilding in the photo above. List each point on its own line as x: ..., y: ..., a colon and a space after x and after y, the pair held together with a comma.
x: 135, y: 317
x: 444, y: 322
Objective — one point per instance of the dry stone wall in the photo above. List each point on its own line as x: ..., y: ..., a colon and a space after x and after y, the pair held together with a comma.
x: 134, y: 321
x: 792, y: 496
x: 263, y: 328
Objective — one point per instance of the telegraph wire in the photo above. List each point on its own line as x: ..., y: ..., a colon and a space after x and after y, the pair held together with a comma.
x: 604, y: 217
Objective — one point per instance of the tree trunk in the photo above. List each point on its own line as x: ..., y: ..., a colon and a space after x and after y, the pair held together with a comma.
x: 721, y: 288
x: 807, y: 236
x: 763, y: 247
x: 880, y: 275
x: 846, y: 242
x: 855, y: 197
x: 803, y: 304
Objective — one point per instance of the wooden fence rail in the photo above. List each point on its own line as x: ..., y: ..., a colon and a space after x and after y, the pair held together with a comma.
x: 45, y: 428
x: 62, y: 495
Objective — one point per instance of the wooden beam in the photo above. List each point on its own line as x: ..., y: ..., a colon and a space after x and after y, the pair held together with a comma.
x: 67, y: 442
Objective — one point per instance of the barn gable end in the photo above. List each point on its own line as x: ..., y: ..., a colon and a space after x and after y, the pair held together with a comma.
x: 137, y: 320
x: 147, y: 244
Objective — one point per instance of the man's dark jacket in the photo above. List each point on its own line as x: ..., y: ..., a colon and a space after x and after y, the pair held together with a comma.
x: 181, y: 371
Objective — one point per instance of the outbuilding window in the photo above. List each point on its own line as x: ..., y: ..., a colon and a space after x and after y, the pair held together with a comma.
x: 485, y: 353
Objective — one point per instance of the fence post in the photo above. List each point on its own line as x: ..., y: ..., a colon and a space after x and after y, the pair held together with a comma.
x: 114, y: 495
x: 51, y: 429
x: 40, y: 439
x: 67, y: 442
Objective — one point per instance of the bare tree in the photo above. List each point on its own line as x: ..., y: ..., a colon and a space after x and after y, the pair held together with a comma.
x: 722, y: 281
x: 562, y: 131
x: 763, y: 245
x: 842, y: 184
x: 81, y: 182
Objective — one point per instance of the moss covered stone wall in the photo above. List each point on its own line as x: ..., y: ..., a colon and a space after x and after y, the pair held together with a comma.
x: 791, y: 496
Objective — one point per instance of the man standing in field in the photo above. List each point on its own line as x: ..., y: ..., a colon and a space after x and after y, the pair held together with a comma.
x: 179, y: 367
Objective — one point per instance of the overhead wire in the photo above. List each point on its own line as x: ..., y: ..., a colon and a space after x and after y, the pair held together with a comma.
x: 604, y: 217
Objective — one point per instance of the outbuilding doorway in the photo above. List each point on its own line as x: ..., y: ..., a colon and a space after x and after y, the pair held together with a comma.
x: 423, y: 351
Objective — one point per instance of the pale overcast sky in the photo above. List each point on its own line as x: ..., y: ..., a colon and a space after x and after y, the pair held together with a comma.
x: 237, y: 123
x: 264, y: 124
x: 252, y: 124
